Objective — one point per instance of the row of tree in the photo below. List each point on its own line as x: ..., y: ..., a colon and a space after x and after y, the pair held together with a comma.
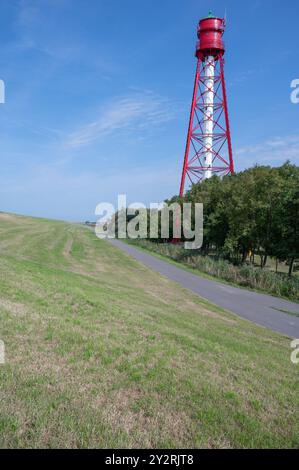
x: 252, y: 212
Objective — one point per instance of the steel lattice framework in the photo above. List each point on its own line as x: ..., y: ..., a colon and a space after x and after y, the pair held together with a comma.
x: 209, y: 147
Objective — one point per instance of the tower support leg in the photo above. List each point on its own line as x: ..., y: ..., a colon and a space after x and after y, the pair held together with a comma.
x: 190, y: 128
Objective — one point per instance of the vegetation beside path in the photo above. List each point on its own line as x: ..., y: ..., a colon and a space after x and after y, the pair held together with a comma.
x: 244, y: 275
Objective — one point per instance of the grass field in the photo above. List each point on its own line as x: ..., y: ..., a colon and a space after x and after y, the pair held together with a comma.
x: 103, y: 352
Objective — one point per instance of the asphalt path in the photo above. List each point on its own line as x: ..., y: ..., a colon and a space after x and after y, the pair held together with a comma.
x: 264, y: 310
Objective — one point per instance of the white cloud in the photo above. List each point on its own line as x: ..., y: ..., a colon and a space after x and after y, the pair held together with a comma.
x: 273, y: 151
x: 135, y: 112
x: 50, y: 192
x: 33, y: 25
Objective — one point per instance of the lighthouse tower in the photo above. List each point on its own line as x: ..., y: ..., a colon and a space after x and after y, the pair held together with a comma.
x: 208, y: 148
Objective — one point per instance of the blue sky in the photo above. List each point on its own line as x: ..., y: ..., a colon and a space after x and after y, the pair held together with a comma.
x: 98, y: 95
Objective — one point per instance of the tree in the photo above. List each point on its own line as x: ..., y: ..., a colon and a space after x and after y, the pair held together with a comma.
x: 287, y: 222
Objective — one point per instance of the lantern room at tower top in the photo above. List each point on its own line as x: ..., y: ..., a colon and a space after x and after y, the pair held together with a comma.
x: 210, y: 32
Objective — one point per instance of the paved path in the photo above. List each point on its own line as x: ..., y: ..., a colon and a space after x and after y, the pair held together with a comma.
x: 261, y: 309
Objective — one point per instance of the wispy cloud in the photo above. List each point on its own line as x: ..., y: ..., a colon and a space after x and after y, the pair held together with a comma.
x: 243, y: 76
x: 276, y: 150
x: 42, y: 191
x: 39, y: 27
x: 33, y: 25
x: 136, y: 112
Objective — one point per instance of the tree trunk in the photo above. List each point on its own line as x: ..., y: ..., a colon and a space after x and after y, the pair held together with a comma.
x: 291, y: 266
x: 276, y: 269
x: 265, y: 261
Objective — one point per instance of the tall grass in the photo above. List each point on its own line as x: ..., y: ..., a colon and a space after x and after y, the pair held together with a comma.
x: 246, y: 275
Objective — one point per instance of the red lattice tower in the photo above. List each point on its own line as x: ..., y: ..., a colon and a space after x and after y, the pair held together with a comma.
x: 209, y: 147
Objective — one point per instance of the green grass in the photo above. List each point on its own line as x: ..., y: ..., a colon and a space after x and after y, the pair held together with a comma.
x: 103, y: 352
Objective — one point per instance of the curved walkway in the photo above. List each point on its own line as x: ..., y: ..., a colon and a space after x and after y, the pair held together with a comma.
x: 261, y: 309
